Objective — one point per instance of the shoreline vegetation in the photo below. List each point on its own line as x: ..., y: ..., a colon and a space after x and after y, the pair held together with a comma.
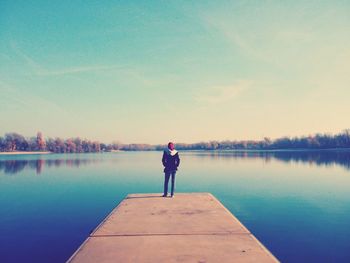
x: 14, y: 143
x: 213, y: 151
x: 23, y: 152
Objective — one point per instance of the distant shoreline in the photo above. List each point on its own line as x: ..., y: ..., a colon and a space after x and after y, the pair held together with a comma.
x: 192, y: 150
x: 22, y: 152
x: 278, y: 150
x: 317, y: 142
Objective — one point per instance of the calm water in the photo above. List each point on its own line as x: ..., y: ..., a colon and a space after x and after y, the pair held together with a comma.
x: 297, y: 204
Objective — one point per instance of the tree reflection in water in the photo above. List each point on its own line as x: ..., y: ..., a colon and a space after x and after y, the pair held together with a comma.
x: 16, y: 166
x: 326, y: 158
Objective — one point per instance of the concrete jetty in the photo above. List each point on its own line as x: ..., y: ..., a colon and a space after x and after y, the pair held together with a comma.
x: 191, y: 227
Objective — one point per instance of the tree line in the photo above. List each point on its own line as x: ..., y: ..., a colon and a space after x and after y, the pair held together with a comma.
x: 11, y: 142
x: 16, y: 142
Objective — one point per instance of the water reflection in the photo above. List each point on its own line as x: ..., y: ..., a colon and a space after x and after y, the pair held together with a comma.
x: 320, y: 158
x: 16, y: 166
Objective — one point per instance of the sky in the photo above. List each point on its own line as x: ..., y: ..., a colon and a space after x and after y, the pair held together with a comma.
x: 182, y: 71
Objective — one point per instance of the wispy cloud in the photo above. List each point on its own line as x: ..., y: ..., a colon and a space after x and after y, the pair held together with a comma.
x: 74, y: 70
x: 19, y: 98
x: 220, y: 94
x: 233, y: 35
x: 40, y: 70
x: 36, y: 68
x: 5, y: 56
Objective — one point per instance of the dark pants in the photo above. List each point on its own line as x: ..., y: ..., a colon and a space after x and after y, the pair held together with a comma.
x: 166, y: 181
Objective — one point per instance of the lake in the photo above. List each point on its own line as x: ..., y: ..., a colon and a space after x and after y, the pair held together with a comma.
x: 296, y: 203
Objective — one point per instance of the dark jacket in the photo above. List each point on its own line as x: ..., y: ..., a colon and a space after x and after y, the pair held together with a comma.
x: 170, y: 162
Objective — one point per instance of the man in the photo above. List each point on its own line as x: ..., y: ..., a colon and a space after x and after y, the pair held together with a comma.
x: 170, y: 162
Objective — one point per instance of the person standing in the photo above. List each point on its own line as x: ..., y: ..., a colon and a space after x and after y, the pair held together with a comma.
x: 171, y: 161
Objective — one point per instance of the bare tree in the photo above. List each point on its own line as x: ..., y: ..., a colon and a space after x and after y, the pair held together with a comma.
x: 40, y: 142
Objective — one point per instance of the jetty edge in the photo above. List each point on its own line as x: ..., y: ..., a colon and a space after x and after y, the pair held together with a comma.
x: 191, y: 227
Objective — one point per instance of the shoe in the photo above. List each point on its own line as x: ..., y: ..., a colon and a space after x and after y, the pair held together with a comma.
x: 164, y: 195
x: 172, y: 196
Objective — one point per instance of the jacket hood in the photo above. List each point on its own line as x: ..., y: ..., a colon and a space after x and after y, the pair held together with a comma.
x: 170, y: 152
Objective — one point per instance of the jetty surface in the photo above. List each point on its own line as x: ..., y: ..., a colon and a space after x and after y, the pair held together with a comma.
x: 191, y: 227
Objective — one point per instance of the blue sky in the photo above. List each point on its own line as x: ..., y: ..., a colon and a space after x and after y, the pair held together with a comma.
x: 187, y: 71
